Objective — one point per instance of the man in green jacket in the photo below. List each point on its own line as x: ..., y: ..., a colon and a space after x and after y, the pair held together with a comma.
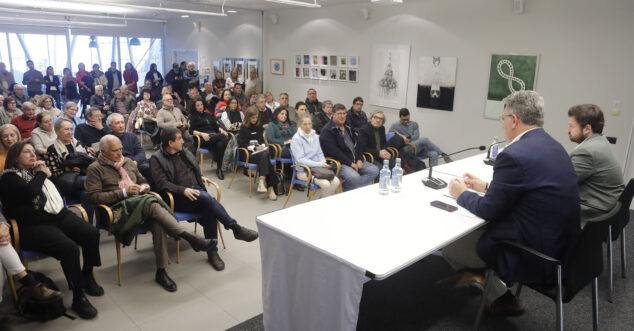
x: 596, y: 165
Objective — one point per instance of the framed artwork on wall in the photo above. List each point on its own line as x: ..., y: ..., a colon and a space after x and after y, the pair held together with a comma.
x: 323, y: 73
x: 353, y: 61
x: 277, y: 66
x: 298, y: 72
x: 306, y: 60
x: 333, y: 60
x: 343, y: 61
x: 333, y: 74
x: 314, y: 73
x: 315, y: 60
x: 436, y: 82
x: 388, y: 75
x: 298, y: 60
x: 509, y: 73
x: 353, y: 75
x: 324, y: 60
x: 305, y: 72
x: 343, y: 74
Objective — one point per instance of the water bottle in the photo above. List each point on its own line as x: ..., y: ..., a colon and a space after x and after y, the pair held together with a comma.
x: 397, y: 177
x: 494, y: 148
x: 384, y: 177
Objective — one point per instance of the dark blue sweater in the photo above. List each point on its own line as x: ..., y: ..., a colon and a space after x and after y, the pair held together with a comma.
x: 132, y: 147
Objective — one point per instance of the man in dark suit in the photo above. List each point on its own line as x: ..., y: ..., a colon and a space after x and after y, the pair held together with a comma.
x: 533, y: 200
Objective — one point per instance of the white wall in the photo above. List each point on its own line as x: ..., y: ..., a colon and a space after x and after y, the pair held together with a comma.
x: 233, y: 36
x: 586, y: 48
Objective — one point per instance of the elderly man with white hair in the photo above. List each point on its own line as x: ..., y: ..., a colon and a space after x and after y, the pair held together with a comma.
x: 131, y: 145
x: 190, y: 76
x: 115, y: 181
x: 101, y: 100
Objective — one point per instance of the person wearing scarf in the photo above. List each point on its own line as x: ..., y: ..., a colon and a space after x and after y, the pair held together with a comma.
x: 115, y: 181
x: 46, y: 226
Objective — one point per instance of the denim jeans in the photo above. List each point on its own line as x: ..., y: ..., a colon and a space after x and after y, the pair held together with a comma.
x: 209, y: 209
x: 353, y: 179
x: 427, y: 149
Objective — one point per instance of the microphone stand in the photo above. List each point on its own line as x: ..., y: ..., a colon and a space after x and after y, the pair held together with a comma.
x: 437, y: 183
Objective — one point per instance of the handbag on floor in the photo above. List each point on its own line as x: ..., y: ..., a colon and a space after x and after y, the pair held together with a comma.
x: 35, y: 310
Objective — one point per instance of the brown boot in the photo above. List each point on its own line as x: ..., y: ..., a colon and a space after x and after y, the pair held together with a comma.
x: 41, y: 294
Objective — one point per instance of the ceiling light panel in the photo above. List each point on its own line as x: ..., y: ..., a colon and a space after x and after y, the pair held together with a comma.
x: 73, y: 6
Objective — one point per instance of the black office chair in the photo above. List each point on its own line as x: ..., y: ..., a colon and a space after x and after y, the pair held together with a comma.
x: 616, y: 230
x: 583, y: 264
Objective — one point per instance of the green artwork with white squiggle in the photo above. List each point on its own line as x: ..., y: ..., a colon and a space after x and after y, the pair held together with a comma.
x: 510, y: 73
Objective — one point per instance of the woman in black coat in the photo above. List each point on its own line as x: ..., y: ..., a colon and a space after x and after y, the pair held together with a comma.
x: 47, y: 226
x: 52, y: 85
x: 213, y: 137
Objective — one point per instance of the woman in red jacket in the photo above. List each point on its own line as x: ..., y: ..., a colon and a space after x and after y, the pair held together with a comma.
x: 130, y: 76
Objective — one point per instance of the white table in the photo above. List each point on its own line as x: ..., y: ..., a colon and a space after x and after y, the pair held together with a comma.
x: 316, y: 255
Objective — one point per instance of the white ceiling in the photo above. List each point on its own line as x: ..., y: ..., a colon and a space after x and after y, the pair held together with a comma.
x: 241, y: 6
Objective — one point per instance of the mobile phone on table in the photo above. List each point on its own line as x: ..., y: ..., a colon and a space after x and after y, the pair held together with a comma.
x: 443, y: 206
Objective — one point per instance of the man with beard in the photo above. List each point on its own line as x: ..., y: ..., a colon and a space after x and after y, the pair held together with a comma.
x: 599, y: 172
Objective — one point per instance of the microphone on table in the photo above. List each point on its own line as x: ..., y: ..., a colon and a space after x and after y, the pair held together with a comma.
x: 437, y: 183
x: 488, y: 160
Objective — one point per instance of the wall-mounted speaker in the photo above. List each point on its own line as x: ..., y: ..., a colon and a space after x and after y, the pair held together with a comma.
x: 518, y: 6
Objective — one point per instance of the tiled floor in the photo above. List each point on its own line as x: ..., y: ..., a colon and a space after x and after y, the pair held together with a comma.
x: 205, y: 298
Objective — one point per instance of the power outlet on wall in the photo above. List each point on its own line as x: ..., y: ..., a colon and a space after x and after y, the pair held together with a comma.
x: 616, y: 108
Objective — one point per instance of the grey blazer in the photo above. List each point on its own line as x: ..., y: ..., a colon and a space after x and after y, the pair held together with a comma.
x: 600, y: 176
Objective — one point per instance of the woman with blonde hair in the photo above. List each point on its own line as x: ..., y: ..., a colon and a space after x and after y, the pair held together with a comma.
x: 45, y: 104
x: 9, y: 135
x: 306, y: 150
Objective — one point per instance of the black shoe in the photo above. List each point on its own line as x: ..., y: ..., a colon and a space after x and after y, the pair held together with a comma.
x: 505, y: 306
x: 245, y: 234
x: 197, y: 243
x: 164, y: 280
x: 219, y: 174
x: 83, y: 307
x: 215, y: 261
x: 91, y: 287
x: 299, y: 188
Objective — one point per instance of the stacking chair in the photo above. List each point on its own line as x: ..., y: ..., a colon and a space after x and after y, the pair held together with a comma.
x: 279, y: 158
x: 616, y: 230
x: 201, y: 151
x: 583, y: 265
x: 250, y: 166
x: 312, y: 187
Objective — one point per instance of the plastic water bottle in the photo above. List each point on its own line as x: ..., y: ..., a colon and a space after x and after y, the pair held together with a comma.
x: 384, y: 177
x: 495, y: 146
x: 397, y: 177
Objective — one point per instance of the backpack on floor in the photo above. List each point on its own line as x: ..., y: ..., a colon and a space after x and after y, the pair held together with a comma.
x: 34, y: 310
x: 280, y: 187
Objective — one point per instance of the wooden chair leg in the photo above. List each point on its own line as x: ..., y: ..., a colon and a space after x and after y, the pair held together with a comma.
x: 312, y: 195
x: 222, y: 238
x: 13, y: 291
x: 235, y: 169
x: 250, y: 182
x: 290, y: 191
x: 118, y: 245
x: 178, y: 251
x: 201, y: 162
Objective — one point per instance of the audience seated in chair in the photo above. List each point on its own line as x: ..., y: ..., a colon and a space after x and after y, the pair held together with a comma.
x: 532, y: 200
x: 340, y: 143
x: 10, y: 261
x: 214, y: 138
x: 175, y: 170
x: 101, y: 100
x: 251, y: 137
x: 25, y: 122
x: 231, y: 119
x: 307, y: 151
x: 9, y: 135
x: 46, y: 226
x: 281, y: 130
x: 356, y: 117
x: 265, y: 113
x: 92, y: 131
x: 146, y: 113
x: 132, y: 148
x: 372, y: 140
x: 44, y: 135
x: 115, y: 181
x: 171, y: 117
x: 411, y: 134
x: 598, y: 171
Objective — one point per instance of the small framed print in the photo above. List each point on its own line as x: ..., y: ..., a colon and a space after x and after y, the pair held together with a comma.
x: 323, y: 73
x: 353, y: 61
x: 343, y: 74
x: 298, y: 72
x: 353, y: 75
x: 315, y: 60
x: 333, y: 60
x: 305, y: 72
x: 306, y: 60
x: 343, y: 61
x: 277, y: 66
x: 333, y: 74
x: 324, y: 60
x: 298, y: 60
x: 314, y: 73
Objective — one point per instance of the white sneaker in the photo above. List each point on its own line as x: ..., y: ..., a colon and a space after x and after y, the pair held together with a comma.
x: 261, y: 186
x: 272, y: 195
